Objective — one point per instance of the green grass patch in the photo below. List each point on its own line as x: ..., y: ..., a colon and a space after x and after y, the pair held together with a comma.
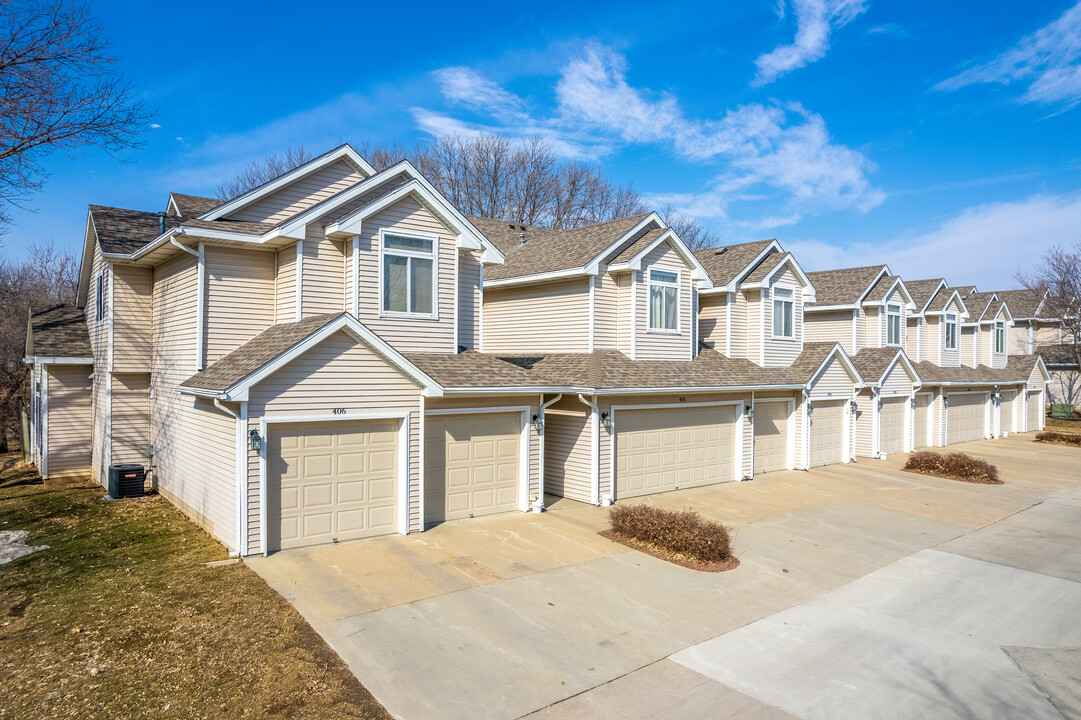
x: 119, y: 618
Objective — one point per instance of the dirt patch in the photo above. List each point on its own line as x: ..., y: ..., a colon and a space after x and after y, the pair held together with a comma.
x: 953, y: 466
x: 1059, y: 438
x: 19, y: 609
x: 675, y: 558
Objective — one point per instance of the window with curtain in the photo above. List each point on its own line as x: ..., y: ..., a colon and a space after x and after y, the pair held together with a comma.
x: 893, y: 324
x: 663, y: 300
x: 951, y: 331
x: 408, y: 275
x: 783, y: 312
x: 1000, y: 337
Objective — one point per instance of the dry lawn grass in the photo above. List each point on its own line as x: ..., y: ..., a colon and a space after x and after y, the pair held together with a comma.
x: 1059, y: 438
x: 121, y: 619
x: 1061, y: 425
x: 679, y: 536
x: 954, y: 466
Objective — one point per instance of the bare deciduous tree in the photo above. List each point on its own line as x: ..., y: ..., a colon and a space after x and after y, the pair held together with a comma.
x: 258, y: 172
x: 1059, y: 276
x: 689, y: 229
x: 59, y: 90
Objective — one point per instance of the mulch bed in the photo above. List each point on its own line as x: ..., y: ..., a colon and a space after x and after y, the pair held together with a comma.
x: 675, y: 558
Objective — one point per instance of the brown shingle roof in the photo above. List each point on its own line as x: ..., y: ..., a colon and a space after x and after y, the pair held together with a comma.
x: 878, y: 292
x: 59, y: 331
x: 547, y: 250
x: 470, y: 368
x: 872, y: 363
x: 191, y: 206
x: 942, y: 299
x: 922, y: 291
x: 807, y: 362
x: 978, y: 303
x: 1023, y: 303
x: 768, y: 264
x: 257, y: 352
x: 843, y: 286
x: 1056, y: 354
x: 125, y: 231
x: 251, y: 228
x: 640, y: 242
x: 724, y: 262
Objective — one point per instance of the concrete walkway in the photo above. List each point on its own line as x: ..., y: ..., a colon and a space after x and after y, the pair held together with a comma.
x: 863, y: 591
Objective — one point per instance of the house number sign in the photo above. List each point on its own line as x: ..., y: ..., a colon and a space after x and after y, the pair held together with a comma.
x: 338, y: 411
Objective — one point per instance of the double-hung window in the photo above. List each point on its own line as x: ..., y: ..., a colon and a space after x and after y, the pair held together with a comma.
x: 784, y: 306
x: 408, y: 275
x: 99, y: 298
x: 893, y: 324
x: 1000, y: 337
x: 663, y: 301
x: 951, y: 332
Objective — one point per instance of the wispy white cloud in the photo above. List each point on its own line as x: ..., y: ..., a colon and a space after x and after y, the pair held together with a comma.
x: 815, y: 20
x: 1048, y: 60
x: 984, y: 245
x: 467, y: 87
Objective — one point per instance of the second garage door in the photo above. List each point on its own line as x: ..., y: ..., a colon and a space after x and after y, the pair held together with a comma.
x: 1007, y: 412
x: 770, y: 436
x: 471, y: 465
x: 891, y: 426
x: 1033, y: 409
x: 827, y: 432
x: 966, y: 418
x: 331, y: 481
x: 919, y: 420
x: 665, y: 449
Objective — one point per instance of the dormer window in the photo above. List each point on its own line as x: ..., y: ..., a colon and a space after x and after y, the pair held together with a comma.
x: 951, y: 332
x: 663, y: 301
x: 407, y: 276
x: 1000, y: 337
x: 784, y: 307
x: 893, y: 324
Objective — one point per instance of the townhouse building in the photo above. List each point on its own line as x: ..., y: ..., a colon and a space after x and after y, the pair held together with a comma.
x: 340, y: 353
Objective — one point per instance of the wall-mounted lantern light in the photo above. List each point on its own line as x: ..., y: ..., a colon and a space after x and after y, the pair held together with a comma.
x: 538, y: 424
x: 852, y: 405
x: 880, y: 404
x: 945, y: 401
x: 606, y: 420
x: 912, y: 403
x: 810, y: 408
x: 749, y: 411
x: 254, y: 441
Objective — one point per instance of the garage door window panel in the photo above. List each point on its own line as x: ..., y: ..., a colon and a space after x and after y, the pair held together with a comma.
x: 408, y: 275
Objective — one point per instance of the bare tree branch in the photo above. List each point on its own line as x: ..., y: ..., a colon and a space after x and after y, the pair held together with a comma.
x: 258, y: 172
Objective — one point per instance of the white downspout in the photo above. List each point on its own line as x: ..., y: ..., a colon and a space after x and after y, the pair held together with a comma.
x: 538, y: 506
x: 751, y: 475
x: 594, y: 449
x: 240, y: 429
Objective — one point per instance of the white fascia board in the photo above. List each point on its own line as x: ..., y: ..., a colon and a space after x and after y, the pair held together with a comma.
x: 239, y: 391
x: 883, y: 272
x: 964, y: 308
x: 200, y: 392
x: 909, y: 302
x: 539, y: 277
x: 509, y: 390
x: 1004, y: 309
x: 923, y: 310
x: 338, y: 153
x: 60, y: 360
x: 734, y: 284
x: 789, y: 262
x: 87, y: 259
x: 172, y: 204
x: 838, y: 351
x: 828, y: 308
x: 698, y: 272
x: 593, y: 266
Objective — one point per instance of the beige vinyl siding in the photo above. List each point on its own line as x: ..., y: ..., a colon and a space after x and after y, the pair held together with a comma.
x: 408, y: 334
x: 779, y: 352
x: 912, y: 332
x: 1049, y: 333
x: 1017, y: 339
x: 194, y: 442
x: 833, y: 382
x: 567, y: 453
x: 874, y: 323
x: 1035, y: 379
x: 301, y: 195
x: 930, y: 338
x: 130, y: 418
x: 469, y: 299
x: 547, y: 317
x: 950, y: 358
x: 322, y: 289
x: 285, y: 285
x: 339, y: 373
x: 652, y: 344
x: 69, y: 420
x: 605, y: 313
x: 831, y: 326
x: 861, y: 330
x: 969, y: 346
x: 864, y: 424
x: 133, y: 290
x: 712, y: 319
x: 239, y: 298
x: 937, y: 412
x: 897, y: 382
x: 623, y: 297
x: 347, y: 275
x: 738, y: 316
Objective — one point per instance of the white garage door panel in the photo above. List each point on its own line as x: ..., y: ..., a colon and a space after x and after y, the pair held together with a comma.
x: 331, y: 480
x: 827, y: 432
x: 1007, y: 412
x: 472, y: 465
x: 1034, y: 409
x: 664, y: 449
x: 770, y: 436
x: 919, y: 420
x: 966, y: 417
x: 892, y: 425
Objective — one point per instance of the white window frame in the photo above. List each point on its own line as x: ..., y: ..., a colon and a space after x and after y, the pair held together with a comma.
x: 1000, y: 338
x: 433, y: 256
x: 650, y: 282
x: 99, y: 298
x: 893, y: 312
x: 949, y: 330
x: 773, y: 319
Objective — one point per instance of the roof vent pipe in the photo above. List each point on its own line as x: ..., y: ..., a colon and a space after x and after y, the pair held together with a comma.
x: 161, y: 223
x: 521, y: 238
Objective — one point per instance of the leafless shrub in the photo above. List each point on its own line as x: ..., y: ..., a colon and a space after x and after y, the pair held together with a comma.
x: 1059, y: 438
x: 683, y: 532
x: 955, y: 466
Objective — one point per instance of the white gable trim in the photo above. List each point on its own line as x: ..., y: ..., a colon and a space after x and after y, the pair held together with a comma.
x: 593, y: 266
x: 698, y: 272
x: 734, y: 283
x: 790, y: 263
x: 898, y: 283
x: 954, y: 295
x: 909, y: 368
x: 883, y: 272
x: 838, y: 351
x: 920, y: 311
x: 172, y: 204
x: 344, y: 152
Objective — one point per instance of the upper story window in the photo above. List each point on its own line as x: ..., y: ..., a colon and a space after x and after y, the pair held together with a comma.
x: 1000, y: 337
x: 663, y: 301
x: 951, y: 332
x: 99, y: 297
x: 784, y: 308
x: 893, y: 324
x: 408, y: 275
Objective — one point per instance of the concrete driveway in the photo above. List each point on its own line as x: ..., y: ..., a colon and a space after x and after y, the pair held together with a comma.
x: 863, y: 591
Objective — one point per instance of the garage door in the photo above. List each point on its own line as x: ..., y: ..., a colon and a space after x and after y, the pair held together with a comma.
x: 471, y: 465
x: 665, y: 449
x: 1007, y: 412
x: 966, y: 418
x: 770, y: 436
x: 891, y: 426
x: 329, y: 481
x: 1034, y: 409
x: 827, y: 432
x: 919, y: 420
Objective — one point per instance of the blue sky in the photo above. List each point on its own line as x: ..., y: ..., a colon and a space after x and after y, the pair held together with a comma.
x: 942, y: 138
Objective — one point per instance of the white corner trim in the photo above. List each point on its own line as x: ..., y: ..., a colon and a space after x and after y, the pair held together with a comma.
x: 300, y: 280
x: 634, y: 314
x: 456, y: 289
x: 200, y: 305
x: 592, y: 311
x: 356, y: 276
x: 111, y: 293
